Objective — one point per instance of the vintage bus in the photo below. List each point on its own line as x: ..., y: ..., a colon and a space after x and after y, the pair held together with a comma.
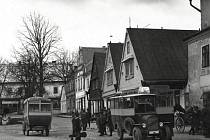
x: 37, y: 115
x: 136, y: 114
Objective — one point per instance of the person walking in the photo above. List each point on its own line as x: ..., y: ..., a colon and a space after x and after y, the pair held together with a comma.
x: 83, y: 120
x: 195, y: 120
x: 102, y: 123
x: 88, y: 116
x: 76, y: 124
x: 109, y: 122
x: 206, y: 121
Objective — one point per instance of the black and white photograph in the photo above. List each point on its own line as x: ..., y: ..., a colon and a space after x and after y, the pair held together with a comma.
x: 105, y: 70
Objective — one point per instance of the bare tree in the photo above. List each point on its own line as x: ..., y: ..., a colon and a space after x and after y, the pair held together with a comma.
x: 40, y: 38
x: 3, y: 74
x: 24, y: 71
x: 64, y: 65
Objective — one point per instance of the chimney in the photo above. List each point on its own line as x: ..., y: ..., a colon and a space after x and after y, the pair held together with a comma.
x: 205, y: 14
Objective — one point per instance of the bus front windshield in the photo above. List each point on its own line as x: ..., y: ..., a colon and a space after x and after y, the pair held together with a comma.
x: 144, y: 104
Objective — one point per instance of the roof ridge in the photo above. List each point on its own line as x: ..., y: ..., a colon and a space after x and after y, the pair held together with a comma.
x: 164, y: 29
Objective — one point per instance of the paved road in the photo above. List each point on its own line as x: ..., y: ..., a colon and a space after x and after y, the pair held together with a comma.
x: 61, y: 128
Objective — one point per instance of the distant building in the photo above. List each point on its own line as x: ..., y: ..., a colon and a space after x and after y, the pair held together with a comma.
x: 82, y: 77
x: 111, y: 71
x: 95, y: 90
x: 68, y: 100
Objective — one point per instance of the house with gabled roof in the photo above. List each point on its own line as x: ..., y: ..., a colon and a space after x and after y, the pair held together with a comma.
x: 111, y: 71
x: 95, y: 89
x: 82, y: 75
x: 155, y: 58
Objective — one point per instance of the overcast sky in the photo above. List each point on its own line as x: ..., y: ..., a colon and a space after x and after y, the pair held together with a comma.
x: 91, y: 22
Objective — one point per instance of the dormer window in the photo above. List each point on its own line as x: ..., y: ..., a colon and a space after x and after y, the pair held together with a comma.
x: 109, y: 77
x: 129, y: 69
x: 128, y: 47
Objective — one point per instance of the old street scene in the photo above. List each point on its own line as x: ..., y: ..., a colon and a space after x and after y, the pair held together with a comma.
x: 105, y: 70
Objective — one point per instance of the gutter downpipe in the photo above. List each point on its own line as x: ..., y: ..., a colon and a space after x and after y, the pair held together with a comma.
x: 194, y: 6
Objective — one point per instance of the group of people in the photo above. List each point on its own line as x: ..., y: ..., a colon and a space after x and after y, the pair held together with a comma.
x: 79, y: 123
x: 200, y: 121
x: 197, y: 118
x: 81, y: 120
x: 104, y: 120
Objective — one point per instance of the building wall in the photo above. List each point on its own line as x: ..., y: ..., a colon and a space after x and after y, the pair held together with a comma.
x: 109, y: 90
x: 205, y: 14
x: 82, y: 83
x: 199, y: 78
x: 49, y: 88
x: 135, y: 82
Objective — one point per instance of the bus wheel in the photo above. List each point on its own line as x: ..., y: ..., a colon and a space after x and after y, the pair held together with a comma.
x: 120, y: 132
x: 165, y: 133
x: 137, y: 135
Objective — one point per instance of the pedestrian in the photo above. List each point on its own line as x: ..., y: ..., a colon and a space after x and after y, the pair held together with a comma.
x: 206, y: 121
x: 195, y: 120
x: 98, y: 121
x: 88, y: 116
x: 76, y: 124
x: 109, y: 122
x: 83, y: 120
x: 102, y: 123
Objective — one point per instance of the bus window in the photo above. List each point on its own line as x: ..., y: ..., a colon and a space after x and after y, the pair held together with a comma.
x: 33, y: 107
x: 45, y: 107
x: 128, y: 103
x: 144, y: 104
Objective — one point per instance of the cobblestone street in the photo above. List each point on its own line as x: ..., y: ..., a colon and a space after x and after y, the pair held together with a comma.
x: 61, y: 128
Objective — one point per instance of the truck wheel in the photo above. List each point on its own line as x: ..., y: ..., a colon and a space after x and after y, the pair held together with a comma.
x: 120, y: 132
x: 137, y: 135
x: 165, y: 133
x: 47, y: 132
x: 128, y: 125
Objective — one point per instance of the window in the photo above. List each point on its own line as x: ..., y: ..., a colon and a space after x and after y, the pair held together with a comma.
x: 187, y: 100
x: 205, y: 56
x: 78, y: 84
x: 129, y: 69
x: 110, y: 77
x: 88, y: 83
x: 55, y: 90
x: 45, y: 107
x: 177, y: 97
x: 33, y: 107
x: 128, y: 47
x: 165, y: 100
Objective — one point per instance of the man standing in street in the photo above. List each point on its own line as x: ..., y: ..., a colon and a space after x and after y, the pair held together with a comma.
x: 109, y: 121
x: 76, y: 124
